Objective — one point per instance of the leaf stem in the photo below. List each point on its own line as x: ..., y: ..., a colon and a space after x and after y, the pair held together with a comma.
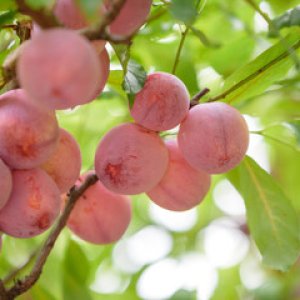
x: 180, y: 47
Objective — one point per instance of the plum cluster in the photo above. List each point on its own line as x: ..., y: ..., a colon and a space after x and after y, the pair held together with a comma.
x: 40, y: 162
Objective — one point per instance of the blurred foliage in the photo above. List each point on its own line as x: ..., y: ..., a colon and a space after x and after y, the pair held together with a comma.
x: 232, y: 50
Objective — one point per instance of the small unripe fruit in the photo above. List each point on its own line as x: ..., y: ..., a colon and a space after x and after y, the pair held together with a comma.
x: 33, y: 206
x: 100, y: 216
x: 162, y: 103
x: 131, y: 159
x: 182, y: 187
x: 214, y: 137
x: 64, y: 164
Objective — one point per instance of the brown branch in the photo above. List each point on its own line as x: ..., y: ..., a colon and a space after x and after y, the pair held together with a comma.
x: 42, y: 17
x: 198, y: 96
x: 3, y: 293
x: 11, y: 276
x: 99, y: 31
x: 22, y: 286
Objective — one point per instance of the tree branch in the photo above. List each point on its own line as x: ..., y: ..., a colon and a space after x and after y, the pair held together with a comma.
x: 22, y: 286
x: 99, y: 31
x: 11, y: 276
x: 198, y: 96
x: 3, y: 293
x: 42, y: 17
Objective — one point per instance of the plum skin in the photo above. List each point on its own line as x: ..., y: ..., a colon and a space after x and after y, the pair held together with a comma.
x: 28, y: 134
x: 182, y: 187
x: 33, y: 206
x: 130, y: 159
x: 59, y: 69
x: 214, y: 137
x: 162, y: 103
x: 64, y: 164
x: 5, y: 183
x: 100, y: 216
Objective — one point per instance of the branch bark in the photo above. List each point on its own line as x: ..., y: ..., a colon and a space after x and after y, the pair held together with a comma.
x: 42, y: 17
x: 21, y: 286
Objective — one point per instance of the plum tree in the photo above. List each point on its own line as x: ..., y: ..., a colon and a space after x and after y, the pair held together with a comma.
x: 162, y: 103
x: 214, y: 137
x: 64, y: 164
x: 182, y: 187
x: 33, y: 206
x: 28, y: 133
x: 43, y: 74
x: 130, y: 159
x: 100, y: 216
x: 5, y: 183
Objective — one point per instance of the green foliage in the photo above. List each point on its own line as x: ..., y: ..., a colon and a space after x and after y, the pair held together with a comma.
x: 272, y: 220
x: 184, y: 11
x: 134, y: 80
x: 288, y: 19
x: 37, y: 4
x: 269, y: 67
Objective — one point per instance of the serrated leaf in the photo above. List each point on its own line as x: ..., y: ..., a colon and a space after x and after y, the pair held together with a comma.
x: 272, y: 220
x: 184, y: 11
x: 134, y: 80
x: 288, y: 19
x: 269, y: 67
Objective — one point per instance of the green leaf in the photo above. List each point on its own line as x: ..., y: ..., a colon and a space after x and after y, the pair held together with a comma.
x: 134, y: 80
x: 203, y: 38
x: 76, y: 270
x: 272, y: 220
x: 8, y: 5
x: 296, y: 127
x: 123, y: 54
x: 256, y: 76
x: 288, y: 19
x: 37, y: 4
x: 184, y: 295
x: 116, y: 77
x: 7, y: 16
x: 184, y: 11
